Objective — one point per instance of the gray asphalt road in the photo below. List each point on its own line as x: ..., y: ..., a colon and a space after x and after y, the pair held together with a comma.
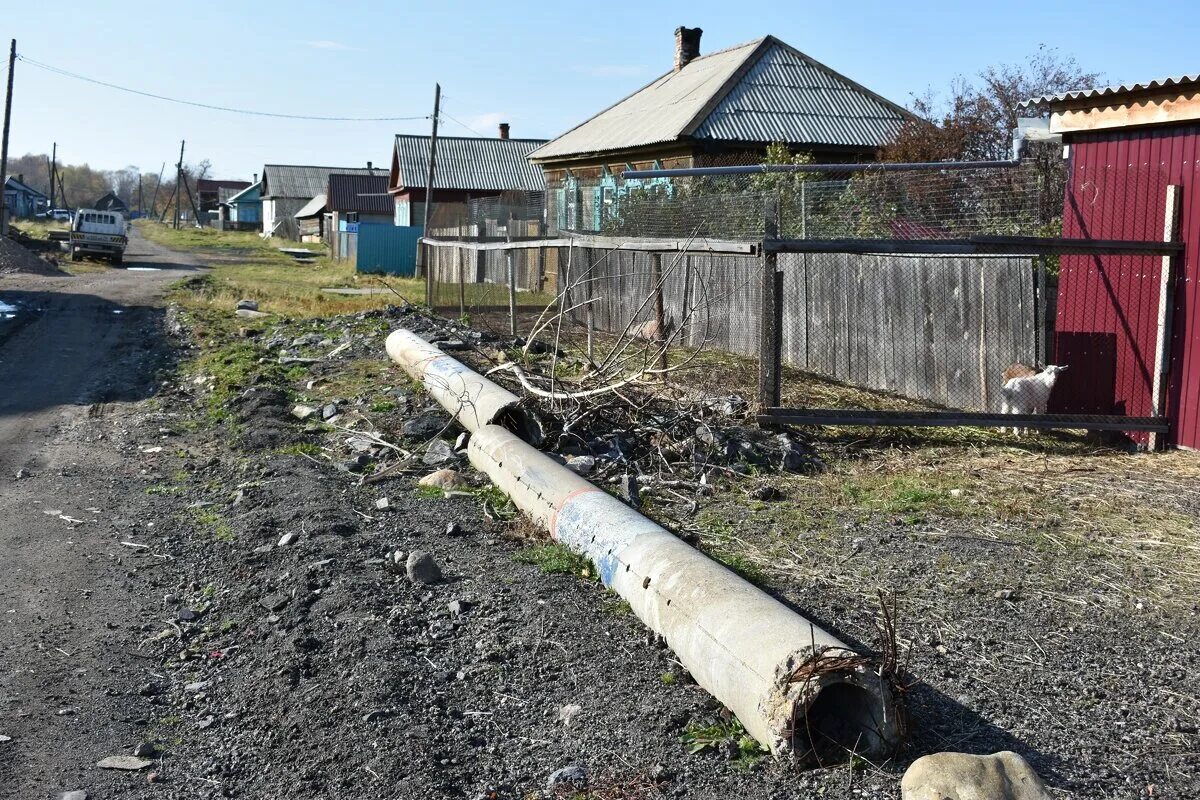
x: 74, y: 349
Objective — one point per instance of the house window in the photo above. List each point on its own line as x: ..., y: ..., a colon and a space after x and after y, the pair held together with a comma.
x: 572, y: 204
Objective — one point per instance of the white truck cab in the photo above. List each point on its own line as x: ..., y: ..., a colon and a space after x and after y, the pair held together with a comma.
x: 100, y: 232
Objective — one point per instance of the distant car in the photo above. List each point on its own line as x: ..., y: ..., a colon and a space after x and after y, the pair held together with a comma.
x: 60, y: 214
x: 100, y: 232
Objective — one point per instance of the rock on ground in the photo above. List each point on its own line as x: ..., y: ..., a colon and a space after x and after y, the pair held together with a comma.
x: 960, y: 776
x: 422, y: 568
x: 444, y: 479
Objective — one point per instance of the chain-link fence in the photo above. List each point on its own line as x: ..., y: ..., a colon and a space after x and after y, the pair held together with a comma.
x: 849, y: 204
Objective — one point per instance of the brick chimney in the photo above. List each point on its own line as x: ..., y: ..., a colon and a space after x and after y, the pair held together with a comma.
x: 369, y: 167
x: 255, y: 178
x: 687, y: 46
x: 503, y: 130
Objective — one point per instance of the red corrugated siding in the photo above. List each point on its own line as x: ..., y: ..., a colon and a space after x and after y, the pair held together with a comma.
x: 1108, y: 306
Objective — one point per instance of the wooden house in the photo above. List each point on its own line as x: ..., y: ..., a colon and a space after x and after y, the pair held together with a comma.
x: 287, y: 188
x: 21, y: 199
x: 466, y: 168
x: 724, y: 108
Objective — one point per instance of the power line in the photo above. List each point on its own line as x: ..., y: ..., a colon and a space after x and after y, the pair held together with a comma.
x: 463, y: 124
x: 210, y: 106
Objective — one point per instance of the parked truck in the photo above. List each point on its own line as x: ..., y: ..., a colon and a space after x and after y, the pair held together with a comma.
x: 98, y: 232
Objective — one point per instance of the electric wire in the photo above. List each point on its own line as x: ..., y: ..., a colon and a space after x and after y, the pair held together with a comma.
x: 212, y: 107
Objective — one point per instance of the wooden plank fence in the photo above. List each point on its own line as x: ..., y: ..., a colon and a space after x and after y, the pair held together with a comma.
x: 937, y: 328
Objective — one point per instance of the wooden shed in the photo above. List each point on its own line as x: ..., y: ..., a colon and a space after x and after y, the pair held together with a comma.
x: 1128, y: 326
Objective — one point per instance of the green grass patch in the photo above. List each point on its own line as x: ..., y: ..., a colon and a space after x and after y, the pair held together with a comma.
x: 214, y: 523
x: 299, y: 449
x: 740, y: 564
x: 699, y: 738
x: 430, y: 493
x: 669, y: 678
x: 554, y: 559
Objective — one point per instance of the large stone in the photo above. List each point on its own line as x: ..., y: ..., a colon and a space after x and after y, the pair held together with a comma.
x: 422, y: 569
x: 447, y: 480
x: 959, y: 776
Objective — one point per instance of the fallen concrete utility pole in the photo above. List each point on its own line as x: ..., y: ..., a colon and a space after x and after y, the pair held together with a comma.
x: 471, y: 398
x: 796, y: 688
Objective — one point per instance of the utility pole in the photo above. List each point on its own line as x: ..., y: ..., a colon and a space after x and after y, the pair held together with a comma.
x: 140, y: 192
x: 437, y: 103
x: 53, y: 172
x: 12, y: 61
x: 178, y: 181
x: 154, y: 197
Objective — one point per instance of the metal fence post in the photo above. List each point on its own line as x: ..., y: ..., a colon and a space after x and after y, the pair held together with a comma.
x: 770, y: 349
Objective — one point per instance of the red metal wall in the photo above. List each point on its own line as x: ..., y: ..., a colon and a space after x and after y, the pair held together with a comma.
x: 1107, y: 325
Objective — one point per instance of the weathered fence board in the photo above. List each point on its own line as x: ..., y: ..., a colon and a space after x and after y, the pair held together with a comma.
x: 936, y: 328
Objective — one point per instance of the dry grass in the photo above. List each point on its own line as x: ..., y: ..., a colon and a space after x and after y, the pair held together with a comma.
x: 246, y: 266
x: 1088, y: 528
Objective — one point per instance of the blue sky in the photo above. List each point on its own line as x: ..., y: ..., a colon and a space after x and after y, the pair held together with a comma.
x: 543, y: 67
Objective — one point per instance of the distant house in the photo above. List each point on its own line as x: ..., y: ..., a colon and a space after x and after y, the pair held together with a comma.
x: 310, y: 220
x: 211, y: 193
x: 21, y: 199
x: 246, y: 205
x: 466, y: 168
x: 724, y: 108
x: 287, y: 188
x: 358, y: 198
x: 110, y: 202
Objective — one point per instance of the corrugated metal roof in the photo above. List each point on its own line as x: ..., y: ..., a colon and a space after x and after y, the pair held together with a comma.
x: 312, y: 208
x: 291, y: 180
x: 1108, y: 91
x: 788, y: 97
x: 467, y: 163
x: 659, y: 112
x: 762, y: 91
x: 366, y: 194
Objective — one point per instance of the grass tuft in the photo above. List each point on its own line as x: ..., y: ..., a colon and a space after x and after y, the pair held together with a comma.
x: 555, y: 559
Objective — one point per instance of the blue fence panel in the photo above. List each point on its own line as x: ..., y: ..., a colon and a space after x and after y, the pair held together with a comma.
x: 391, y: 249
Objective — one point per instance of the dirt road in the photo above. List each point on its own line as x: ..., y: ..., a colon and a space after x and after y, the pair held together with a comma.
x: 68, y: 615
